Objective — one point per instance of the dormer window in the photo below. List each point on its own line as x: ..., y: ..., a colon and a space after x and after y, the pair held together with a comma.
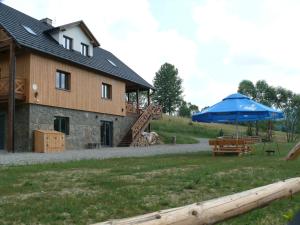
x: 68, y: 43
x: 84, y: 49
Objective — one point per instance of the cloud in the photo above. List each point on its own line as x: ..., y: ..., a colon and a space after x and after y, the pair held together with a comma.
x: 265, y: 44
x: 274, y: 37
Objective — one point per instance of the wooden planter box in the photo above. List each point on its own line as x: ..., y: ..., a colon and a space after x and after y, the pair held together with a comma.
x: 49, y: 141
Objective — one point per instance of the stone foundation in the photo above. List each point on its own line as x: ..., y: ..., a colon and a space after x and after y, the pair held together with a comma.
x: 84, y: 126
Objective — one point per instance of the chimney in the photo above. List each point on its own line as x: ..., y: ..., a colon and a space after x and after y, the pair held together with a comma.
x: 47, y: 21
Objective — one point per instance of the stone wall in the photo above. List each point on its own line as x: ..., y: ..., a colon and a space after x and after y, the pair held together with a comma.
x: 84, y: 126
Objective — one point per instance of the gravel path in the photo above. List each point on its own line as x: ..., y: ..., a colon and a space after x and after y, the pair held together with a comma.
x: 103, y: 153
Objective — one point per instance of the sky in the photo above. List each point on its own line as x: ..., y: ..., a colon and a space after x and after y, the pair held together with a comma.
x: 214, y: 44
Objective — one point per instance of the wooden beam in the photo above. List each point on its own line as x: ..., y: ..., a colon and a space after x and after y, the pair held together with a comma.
x: 11, y: 98
x: 5, y: 42
x: 137, y: 100
x: 216, y: 210
x: 148, y: 96
x: 294, y: 153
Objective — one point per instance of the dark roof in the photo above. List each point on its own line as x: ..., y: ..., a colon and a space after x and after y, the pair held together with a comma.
x: 12, y: 21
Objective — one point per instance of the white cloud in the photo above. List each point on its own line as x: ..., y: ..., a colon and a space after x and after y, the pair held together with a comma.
x: 270, y: 39
x: 274, y: 37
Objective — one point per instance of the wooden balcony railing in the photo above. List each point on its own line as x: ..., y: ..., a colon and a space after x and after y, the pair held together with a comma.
x: 19, y: 90
x: 131, y: 108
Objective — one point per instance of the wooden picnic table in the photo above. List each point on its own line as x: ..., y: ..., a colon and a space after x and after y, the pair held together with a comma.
x: 237, y: 146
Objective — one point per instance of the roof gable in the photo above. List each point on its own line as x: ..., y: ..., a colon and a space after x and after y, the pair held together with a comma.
x: 79, y: 24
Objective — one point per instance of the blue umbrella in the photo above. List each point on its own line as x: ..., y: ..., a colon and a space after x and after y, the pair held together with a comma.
x: 237, y: 108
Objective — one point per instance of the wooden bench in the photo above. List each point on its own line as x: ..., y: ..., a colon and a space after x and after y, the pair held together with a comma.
x: 252, y: 139
x: 232, y: 146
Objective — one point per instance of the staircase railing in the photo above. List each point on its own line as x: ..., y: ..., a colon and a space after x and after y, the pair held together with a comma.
x: 151, y: 112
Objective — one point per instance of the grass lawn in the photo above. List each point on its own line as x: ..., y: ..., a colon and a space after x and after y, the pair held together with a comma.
x: 187, y: 132
x: 90, y: 191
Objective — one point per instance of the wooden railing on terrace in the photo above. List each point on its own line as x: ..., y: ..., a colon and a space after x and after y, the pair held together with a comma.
x: 131, y: 108
x: 19, y: 90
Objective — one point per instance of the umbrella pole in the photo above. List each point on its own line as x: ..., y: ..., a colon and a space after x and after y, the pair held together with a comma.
x: 237, y: 126
x: 237, y: 130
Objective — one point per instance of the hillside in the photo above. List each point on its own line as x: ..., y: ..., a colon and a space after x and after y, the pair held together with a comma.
x: 187, y: 132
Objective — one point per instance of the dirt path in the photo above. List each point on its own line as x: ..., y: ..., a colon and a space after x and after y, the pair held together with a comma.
x: 102, y: 153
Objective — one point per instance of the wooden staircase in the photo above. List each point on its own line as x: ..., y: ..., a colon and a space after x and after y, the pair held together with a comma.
x: 134, y: 135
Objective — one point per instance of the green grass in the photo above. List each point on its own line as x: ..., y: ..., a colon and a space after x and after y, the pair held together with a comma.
x: 86, y: 192
x: 187, y: 132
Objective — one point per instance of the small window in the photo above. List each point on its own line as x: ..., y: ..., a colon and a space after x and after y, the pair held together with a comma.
x: 63, y: 80
x: 106, y: 91
x: 62, y: 124
x: 29, y: 30
x: 84, y: 49
x: 111, y: 62
x: 68, y: 43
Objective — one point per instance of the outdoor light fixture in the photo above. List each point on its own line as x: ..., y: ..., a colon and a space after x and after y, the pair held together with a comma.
x: 35, y: 90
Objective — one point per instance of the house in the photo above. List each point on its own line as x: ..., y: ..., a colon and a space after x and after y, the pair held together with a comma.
x: 59, y: 78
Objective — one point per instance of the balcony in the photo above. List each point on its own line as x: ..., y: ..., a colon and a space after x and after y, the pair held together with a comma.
x: 131, y: 108
x: 19, y: 90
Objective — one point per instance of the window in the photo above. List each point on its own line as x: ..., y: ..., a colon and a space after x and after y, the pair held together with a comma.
x: 29, y: 30
x: 63, y: 80
x: 106, y: 91
x: 84, y: 49
x: 68, y: 43
x: 61, y: 124
x: 111, y: 62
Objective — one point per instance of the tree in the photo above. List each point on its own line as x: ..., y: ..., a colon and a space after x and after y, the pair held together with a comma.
x: 280, y: 98
x: 184, y: 110
x: 246, y: 87
x: 194, y: 108
x: 168, y: 87
x: 187, y: 109
x: 289, y: 103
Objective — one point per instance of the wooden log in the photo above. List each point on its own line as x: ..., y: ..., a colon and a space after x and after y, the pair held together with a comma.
x: 294, y: 153
x: 216, y: 210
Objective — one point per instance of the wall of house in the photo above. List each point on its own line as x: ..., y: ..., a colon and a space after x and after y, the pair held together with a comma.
x: 84, y: 126
x: 85, y: 93
x: 78, y: 37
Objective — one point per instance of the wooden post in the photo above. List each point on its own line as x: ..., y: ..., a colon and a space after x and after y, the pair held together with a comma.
x: 148, y: 96
x: 137, y: 101
x: 216, y: 210
x: 11, y: 98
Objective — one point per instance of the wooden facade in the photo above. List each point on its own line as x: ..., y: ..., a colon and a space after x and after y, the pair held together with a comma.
x: 85, y: 88
x: 85, y: 85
